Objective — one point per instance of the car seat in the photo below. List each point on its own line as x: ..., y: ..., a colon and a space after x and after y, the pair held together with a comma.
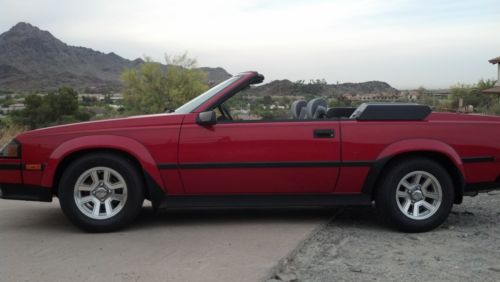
x: 298, y: 109
x: 316, y: 108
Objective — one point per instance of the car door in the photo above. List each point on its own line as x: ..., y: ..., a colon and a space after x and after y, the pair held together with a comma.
x: 259, y: 157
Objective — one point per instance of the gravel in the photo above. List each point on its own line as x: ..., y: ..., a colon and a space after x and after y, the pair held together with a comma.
x: 357, y: 246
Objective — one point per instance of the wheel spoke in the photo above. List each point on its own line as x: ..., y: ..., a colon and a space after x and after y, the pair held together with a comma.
x: 406, y: 205
x: 117, y: 197
x: 406, y: 184
x: 116, y: 185
x: 86, y: 199
x: 106, y: 176
x: 416, y: 209
x: 432, y: 195
x: 426, y: 183
x: 95, y: 177
x: 83, y: 187
x: 428, y: 206
x: 402, y: 194
x: 107, y: 206
x: 417, y: 179
x: 97, y: 207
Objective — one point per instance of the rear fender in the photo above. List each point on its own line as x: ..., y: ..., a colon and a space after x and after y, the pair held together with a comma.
x: 409, y: 146
x: 422, y: 145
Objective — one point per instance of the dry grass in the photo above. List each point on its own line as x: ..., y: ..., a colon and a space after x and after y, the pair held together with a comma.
x: 8, y: 133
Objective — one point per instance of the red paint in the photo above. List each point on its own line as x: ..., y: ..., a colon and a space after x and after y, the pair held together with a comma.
x: 176, y: 140
x: 262, y: 142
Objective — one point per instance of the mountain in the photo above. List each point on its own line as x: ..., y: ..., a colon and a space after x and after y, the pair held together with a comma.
x: 33, y: 59
x: 321, y: 88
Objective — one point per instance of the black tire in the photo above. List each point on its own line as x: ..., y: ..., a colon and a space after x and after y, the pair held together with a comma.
x: 387, y: 203
x: 131, y: 206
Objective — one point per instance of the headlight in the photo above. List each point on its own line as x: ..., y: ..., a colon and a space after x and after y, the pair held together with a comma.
x: 11, y: 150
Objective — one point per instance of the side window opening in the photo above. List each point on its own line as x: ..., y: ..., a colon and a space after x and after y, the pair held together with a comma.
x: 250, y: 105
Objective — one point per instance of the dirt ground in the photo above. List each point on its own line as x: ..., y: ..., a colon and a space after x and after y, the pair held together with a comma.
x: 356, y: 246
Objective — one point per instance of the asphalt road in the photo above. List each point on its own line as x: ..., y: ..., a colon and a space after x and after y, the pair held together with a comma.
x: 37, y: 243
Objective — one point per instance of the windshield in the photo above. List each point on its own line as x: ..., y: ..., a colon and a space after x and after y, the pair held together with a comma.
x: 196, y: 102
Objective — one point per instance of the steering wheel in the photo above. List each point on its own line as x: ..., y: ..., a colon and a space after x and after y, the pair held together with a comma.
x: 225, y: 111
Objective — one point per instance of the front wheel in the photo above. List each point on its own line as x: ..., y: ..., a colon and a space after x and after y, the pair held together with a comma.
x: 415, y: 195
x: 101, y: 193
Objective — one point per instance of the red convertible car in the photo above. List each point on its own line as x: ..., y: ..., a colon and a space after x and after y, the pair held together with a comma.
x: 223, y: 149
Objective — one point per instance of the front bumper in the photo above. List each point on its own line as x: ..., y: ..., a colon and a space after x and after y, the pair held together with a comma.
x: 25, y: 193
x: 12, y: 187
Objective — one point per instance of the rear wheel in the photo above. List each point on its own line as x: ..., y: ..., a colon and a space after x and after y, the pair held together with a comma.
x: 101, y: 193
x: 416, y: 195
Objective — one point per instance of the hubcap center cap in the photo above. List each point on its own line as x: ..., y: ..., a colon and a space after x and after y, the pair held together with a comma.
x: 417, y: 195
x: 101, y: 192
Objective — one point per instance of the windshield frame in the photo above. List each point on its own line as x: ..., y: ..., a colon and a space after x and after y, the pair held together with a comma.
x: 199, y: 100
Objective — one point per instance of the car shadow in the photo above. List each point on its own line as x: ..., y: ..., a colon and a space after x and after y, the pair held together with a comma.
x: 40, y: 217
x: 222, y: 216
x: 50, y: 217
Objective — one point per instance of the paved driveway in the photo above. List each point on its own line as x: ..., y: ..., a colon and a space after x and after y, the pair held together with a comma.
x: 37, y: 243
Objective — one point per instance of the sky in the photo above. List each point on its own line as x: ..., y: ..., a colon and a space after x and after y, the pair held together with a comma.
x: 407, y: 43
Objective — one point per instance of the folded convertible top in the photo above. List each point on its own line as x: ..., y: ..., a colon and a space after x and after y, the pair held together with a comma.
x: 391, y: 111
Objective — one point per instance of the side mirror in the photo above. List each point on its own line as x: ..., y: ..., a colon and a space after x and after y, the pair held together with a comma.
x: 206, y: 118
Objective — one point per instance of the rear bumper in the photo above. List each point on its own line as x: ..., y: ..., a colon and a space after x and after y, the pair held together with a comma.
x: 25, y: 193
x: 473, y: 189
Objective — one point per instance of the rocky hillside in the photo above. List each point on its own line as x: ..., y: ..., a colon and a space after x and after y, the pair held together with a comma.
x: 321, y: 88
x: 33, y: 59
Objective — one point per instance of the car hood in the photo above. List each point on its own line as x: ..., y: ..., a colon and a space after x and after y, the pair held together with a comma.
x: 109, y: 125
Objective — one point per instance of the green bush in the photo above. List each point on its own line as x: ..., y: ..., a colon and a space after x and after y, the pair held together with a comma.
x: 54, y: 108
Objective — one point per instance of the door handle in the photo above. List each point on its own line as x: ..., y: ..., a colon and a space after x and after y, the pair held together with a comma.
x: 324, y: 133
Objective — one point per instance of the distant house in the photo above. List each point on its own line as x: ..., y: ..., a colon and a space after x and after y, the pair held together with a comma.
x: 496, y: 89
x: 98, y: 97
x: 13, y: 107
x: 441, y: 93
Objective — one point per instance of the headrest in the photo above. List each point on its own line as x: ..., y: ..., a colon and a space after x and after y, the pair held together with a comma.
x: 297, y: 107
x: 316, y: 108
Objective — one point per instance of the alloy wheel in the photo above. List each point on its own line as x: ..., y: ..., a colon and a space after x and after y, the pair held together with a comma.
x: 419, y: 195
x: 100, y: 193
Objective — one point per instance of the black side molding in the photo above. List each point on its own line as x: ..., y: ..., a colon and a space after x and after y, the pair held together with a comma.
x: 479, y: 159
x: 25, y: 193
x: 10, y: 166
x: 265, y: 165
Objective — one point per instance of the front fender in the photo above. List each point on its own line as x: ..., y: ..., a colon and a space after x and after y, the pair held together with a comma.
x: 125, y: 144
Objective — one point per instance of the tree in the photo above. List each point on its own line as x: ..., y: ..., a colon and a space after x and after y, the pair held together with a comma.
x: 471, y: 95
x: 425, y: 97
x: 267, y: 100
x: 153, y: 88
x: 54, y: 108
